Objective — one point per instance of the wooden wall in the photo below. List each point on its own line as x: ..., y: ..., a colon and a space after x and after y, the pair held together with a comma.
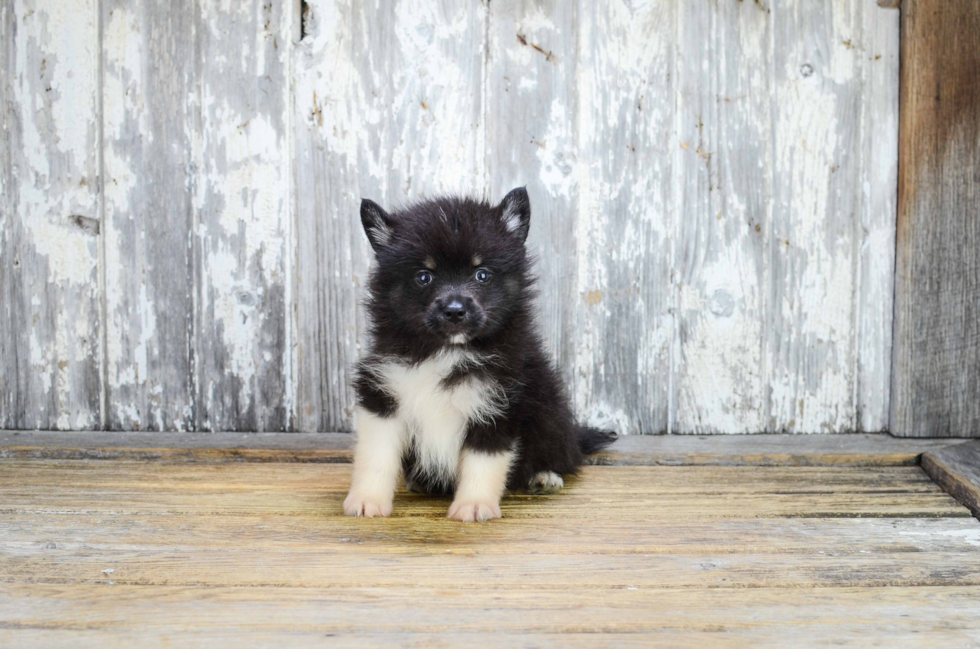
x: 713, y: 187
x: 936, y: 383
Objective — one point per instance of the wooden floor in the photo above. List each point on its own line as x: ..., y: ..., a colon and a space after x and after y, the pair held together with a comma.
x: 127, y: 552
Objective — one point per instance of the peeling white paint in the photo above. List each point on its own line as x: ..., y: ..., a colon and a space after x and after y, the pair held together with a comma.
x: 712, y: 190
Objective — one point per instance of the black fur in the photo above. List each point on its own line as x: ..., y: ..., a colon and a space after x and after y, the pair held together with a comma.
x: 412, y: 320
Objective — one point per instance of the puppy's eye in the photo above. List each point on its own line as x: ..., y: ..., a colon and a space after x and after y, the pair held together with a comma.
x: 483, y: 275
x: 423, y: 277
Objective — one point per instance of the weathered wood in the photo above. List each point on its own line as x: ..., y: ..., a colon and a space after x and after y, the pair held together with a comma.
x: 151, y: 116
x: 531, y: 113
x: 242, y: 203
x: 957, y: 470
x: 811, y: 339
x: 879, y: 56
x: 645, y: 450
x: 723, y: 153
x: 389, y: 103
x: 528, y: 617
x: 198, y: 182
x: 141, y: 488
x: 139, y: 552
x: 623, y: 235
x: 50, y: 214
x: 837, y: 631
x: 235, y: 156
x: 936, y: 357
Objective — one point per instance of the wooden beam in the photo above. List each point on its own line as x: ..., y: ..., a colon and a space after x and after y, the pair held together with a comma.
x: 936, y: 354
x: 957, y: 470
x: 636, y: 450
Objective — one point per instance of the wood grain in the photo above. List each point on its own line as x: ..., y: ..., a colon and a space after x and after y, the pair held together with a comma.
x: 723, y: 153
x: 936, y: 354
x: 389, y: 105
x: 624, y: 229
x: 151, y: 116
x: 957, y: 470
x: 529, y: 617
x: 713, y: 188
x: 188, y: 553
x: 50, y: 214
x: 198, y: 190
x: 812, y: 341
x: 242, y: 204
x: 879, y: 56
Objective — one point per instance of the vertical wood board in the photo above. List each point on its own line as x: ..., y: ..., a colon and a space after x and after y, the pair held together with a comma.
x: 50, y: 325
x: 712, y: 186
x: 242, y: 201
x: 879, y: 195
x: 936, y: 352
x: 151, y: 116
x: 813, y: 293
x: 724, y: 167
x: 388, y: 106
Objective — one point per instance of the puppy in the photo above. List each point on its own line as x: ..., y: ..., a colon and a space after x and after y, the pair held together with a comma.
x: 457, y: 394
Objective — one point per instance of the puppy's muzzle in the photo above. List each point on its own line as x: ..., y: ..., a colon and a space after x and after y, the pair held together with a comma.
x: 455, y: 313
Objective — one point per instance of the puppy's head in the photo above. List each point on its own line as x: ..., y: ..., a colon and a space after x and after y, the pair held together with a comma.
x: 450, y: 271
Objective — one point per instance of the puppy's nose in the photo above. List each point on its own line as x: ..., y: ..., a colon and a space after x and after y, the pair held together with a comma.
x: 454, y: 311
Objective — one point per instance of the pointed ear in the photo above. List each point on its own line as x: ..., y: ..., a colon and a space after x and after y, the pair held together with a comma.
x: 515, y: 210
x: 378, y: 225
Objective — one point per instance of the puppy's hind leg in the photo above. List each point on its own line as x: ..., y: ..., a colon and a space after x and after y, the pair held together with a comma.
x: 545, y: 482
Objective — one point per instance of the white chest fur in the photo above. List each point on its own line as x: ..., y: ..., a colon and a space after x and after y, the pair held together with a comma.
x: 434, y: 415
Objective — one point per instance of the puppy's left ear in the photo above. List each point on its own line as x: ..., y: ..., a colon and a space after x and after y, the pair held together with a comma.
x: 515, y: 211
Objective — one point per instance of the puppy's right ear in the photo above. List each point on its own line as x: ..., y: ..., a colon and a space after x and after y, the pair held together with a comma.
x: 378, y: 225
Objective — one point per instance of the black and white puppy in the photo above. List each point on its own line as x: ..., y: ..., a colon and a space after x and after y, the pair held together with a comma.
x: 457, y: 394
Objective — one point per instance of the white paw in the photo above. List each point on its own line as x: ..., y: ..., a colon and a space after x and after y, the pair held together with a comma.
x: 469, y: 512
x: 545, y: 482
x: 367, y: 505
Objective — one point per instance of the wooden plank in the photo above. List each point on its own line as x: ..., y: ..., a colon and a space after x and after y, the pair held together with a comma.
x: 431, y: 535
x: 878, y: 54
x: 197, y: 215
x: 225, y: 440
x: 137, y: 551
x: 532, y: 139
x: 724, y: 176
x: 154, y: 476
x: 50, y: 214
x: 389, y: 101
x: 621, y: 303
x: 151, y: 116
x: 666, y: 492
x: 729, y: 450
x: 758, y: 613
x: 733, y: 637
x: 957, y: 470
x: 242, y: 201
x: 812, y: 341
x: 566, y: 85
x: 936, y: 354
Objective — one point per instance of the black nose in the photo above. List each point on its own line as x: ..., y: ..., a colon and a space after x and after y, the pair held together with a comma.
x: 454, y: 311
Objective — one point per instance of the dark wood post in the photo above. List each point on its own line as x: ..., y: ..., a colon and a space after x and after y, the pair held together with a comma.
x: 936, y: 355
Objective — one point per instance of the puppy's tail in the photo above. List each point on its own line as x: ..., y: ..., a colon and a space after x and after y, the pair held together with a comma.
x: 592, y: 440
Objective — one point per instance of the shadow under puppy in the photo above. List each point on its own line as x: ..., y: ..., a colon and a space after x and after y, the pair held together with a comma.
x: 457, y: 393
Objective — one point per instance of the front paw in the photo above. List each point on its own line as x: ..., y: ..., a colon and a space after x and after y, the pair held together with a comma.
x: 367, y: 505
x: 469, y: 512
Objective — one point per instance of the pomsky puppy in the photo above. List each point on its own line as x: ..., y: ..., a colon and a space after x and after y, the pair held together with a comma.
x: 456, y: 393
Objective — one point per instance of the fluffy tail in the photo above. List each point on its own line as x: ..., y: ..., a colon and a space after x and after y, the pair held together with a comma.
x: 592, y: 440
